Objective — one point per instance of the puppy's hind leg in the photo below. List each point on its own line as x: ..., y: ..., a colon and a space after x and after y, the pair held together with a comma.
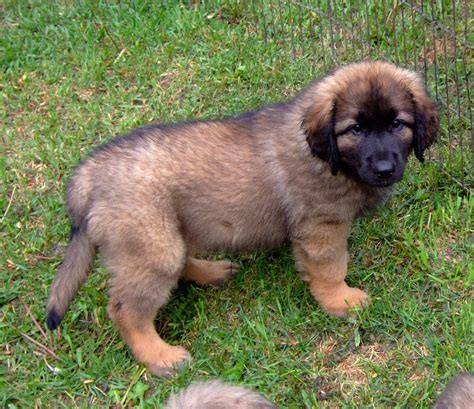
x: 205, y: 272
x: 142, y: 279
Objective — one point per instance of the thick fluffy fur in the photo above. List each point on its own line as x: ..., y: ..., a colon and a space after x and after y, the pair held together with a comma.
x: 299, y: 172
x: 217, y: 395
x: 459, y: 394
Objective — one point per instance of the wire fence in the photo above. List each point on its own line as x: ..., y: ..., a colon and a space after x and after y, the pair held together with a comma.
x: 428, y: 36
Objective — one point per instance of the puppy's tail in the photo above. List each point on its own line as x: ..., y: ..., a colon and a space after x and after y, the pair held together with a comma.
x: 80, y: 251
x: 71, y: 274
x: 217, y: 395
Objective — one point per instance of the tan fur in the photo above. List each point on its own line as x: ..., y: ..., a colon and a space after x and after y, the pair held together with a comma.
x: 206, y: 272
x: 458, y: 394
x: 217, y: 395
x: 150, y: 200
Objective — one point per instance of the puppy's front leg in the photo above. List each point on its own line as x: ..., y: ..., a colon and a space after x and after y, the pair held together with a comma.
x: 322, y: 255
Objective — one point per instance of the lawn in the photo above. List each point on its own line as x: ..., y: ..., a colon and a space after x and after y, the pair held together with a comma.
x: 73, y: 75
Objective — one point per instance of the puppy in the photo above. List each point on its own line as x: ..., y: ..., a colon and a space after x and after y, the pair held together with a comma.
x: 217, y: 395
x: 300, y: 171
x: 459, y: 394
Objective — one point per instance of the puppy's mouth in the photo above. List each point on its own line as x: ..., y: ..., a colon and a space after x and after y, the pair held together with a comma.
x: 385, y: 183
x: 376, y: 181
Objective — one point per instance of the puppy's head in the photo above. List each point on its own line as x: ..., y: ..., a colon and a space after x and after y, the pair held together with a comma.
x: 365, y: 118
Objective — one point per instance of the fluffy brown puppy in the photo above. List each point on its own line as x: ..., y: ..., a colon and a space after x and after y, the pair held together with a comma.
x: 217, y: 395
x: 301, y: 172
x: 459, y: 394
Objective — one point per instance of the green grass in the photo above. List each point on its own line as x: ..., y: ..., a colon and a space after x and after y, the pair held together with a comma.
x: 73, y: 75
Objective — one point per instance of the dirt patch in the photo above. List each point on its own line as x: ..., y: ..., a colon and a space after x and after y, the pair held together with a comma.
x: 353, y: 371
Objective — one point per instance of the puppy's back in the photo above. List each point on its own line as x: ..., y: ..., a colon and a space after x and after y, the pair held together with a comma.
x: 217, y: 395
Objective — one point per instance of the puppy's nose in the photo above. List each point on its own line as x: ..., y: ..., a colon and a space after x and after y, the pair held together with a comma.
x: 384, y: 169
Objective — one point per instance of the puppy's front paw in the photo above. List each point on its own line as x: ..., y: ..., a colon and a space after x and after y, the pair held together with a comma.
x: 342, y: 300
x: 168, y: 362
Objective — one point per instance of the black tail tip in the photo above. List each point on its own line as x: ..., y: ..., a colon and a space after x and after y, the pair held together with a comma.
x: 53, y: 319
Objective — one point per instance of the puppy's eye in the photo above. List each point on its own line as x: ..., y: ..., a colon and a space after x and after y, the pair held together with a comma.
x: 396, y: 124
x: 356, y: 129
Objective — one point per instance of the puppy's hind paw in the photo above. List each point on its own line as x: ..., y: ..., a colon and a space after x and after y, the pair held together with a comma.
x: 214, y: 273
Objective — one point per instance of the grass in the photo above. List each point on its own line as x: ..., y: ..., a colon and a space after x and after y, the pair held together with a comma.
x: 75, y: 74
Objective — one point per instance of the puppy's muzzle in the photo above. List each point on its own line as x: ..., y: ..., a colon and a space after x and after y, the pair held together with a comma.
x: 384, y: 169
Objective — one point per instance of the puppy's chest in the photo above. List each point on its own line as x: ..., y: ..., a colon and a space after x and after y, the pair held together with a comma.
x: 317, y: 202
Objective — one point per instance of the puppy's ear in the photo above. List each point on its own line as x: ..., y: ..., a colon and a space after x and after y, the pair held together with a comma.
x: 319, y: 126
x: 426, y: 119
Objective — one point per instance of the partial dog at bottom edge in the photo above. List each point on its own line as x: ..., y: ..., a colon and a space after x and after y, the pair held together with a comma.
x: 459, y: 394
